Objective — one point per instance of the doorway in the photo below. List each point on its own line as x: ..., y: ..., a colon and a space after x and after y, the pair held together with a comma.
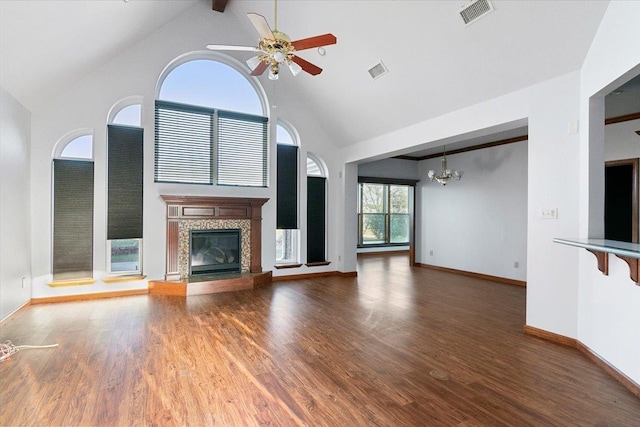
x: 621, y: 200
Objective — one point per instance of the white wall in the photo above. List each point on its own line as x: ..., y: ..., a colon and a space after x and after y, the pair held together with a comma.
x: 390, y: 168
x: 609, y: 306
x: 15, y: 122
x: 479, y: 223
x: 136, y: 73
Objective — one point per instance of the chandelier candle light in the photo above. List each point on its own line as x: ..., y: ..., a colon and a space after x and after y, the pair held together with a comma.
x: 447, y: 174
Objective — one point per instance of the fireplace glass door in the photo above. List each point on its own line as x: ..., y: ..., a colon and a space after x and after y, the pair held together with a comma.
x: 214, y: 251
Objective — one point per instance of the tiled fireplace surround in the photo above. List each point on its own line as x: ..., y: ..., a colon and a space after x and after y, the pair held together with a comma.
x: 185, y: 213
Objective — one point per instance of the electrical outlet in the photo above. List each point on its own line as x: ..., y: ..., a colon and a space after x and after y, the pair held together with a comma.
x: 516, y: 264
x: 339, y: 257
x: 430, y: 253
x: 548, y: 213
x: 23, y: 280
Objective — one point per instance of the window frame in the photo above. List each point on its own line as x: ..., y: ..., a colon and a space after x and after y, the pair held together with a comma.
x: 387, y: 183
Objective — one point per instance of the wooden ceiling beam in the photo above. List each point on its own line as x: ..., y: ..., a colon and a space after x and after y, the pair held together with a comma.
x: 219, y: 5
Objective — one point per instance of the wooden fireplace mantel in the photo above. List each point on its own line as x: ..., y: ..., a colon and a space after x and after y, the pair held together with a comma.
x: 202, y: 207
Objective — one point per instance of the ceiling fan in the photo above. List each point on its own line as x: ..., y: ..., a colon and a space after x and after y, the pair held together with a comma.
x: 275, y: 48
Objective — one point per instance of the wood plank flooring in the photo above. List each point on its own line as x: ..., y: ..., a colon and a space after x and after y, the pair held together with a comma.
x: 396, y: 346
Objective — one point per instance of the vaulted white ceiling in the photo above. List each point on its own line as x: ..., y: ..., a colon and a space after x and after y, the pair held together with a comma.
x: 436, y: 64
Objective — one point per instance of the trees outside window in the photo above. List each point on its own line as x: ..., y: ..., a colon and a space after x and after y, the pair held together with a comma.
x: 383, y: 215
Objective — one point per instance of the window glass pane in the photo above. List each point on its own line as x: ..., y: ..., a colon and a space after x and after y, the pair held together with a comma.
x: 399, y: 195
x: 130, y: 116
x: 373, y: 228
x: 212, y: 84
x: 125, y: 256
x: 286, y: 246
x: 383, y: 214
x: 313, y: 169
x: 79, y: 148
x: 399, y: 232
x: 283, y: 136
x: 373, y: 198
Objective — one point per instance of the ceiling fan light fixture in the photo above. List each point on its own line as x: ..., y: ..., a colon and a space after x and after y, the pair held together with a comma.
x: 294, y: 68
x: 273, y: 72
x: 279, y: 56
x: 253, y: 62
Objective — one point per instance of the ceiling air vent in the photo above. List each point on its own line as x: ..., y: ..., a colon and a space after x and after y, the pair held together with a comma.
x: 378, y: 70
x: 475, y: 10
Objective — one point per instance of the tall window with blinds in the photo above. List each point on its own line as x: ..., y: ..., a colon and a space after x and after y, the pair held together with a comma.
x: 125, y: 158
x: 316, y: 219
x: 200, y: 145
x: 124, y: 183
x: 72, y: 219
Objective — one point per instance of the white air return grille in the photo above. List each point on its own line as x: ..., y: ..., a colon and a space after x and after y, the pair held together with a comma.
x: 475, y: 10
x: 378, y: 70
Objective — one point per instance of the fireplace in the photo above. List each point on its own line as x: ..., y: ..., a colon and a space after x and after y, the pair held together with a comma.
x: 188, y: 213
x: 214, y: 251
x: 236, y: 224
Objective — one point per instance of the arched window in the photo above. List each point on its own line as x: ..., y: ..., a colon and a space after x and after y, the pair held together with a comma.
x: 125, y: 173
x: 211, y: 126
x: 287, y: 208
x: 129, y: 116
x: 316, y: 211
x: 80, y: 147
x: 315, y: 167
x: 213, y: 84
x: 73, y: 208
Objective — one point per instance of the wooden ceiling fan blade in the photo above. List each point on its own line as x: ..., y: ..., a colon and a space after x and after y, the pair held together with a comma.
x: 231, y: 47
x: 317, y: 41
x: 260, y: 69
x: 219, y: 5
x: 307, y: 66
x: 261, y: 25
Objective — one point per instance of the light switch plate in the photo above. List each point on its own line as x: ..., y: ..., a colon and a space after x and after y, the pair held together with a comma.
x: 548, y: 213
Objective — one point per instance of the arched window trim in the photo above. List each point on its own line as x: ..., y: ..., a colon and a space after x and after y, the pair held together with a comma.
x: 124, y: 103
x: 224, y: 59
x: 69, y: 137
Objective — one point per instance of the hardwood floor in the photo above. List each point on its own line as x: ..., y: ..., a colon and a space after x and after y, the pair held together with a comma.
x: 396, y: 346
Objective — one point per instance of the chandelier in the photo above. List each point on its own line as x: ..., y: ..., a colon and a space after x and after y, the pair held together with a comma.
x: 446, y: 175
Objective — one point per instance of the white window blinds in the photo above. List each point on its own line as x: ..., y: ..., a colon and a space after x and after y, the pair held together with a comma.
x: 199, y: 145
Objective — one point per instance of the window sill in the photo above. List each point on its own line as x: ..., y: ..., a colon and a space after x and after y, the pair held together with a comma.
x: 283, y: 266
x: 317, y: 264
x: 71, y: 282
x: 115, y: 279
